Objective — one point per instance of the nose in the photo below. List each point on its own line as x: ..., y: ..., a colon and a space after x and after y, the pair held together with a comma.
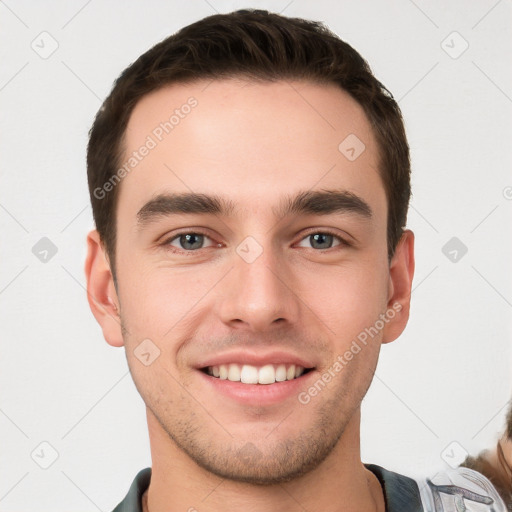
x: 259, y: 295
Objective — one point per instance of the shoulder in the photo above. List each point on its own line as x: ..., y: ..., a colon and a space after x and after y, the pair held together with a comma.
x: 460, y: 489
x: 400, y: 492
x: 132, y: 501
x: 456, y: 490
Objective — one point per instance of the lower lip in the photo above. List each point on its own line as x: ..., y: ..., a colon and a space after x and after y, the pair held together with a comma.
x: 259, y: 394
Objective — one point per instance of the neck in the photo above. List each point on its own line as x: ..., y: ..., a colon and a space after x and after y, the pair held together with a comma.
x: 339, y: 483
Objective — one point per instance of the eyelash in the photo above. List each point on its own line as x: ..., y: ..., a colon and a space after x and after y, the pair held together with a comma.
x: 167, y: 242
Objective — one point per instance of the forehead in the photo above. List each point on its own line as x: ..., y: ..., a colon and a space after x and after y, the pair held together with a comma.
x: 252, y: 140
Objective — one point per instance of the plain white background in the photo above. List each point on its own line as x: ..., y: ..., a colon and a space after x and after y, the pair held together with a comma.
x: 446, y: 379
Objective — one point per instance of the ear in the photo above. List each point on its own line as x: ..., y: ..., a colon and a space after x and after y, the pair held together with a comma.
x: 401, y: 272
x: 101, y: 292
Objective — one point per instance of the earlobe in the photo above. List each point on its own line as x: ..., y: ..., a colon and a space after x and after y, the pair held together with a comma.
x: 401, y: 273
x: 101, y: 292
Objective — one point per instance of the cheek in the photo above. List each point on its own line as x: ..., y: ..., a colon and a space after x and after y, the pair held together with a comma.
x: 163, y: 304
x: 160, y: 302
x: 348, y: 299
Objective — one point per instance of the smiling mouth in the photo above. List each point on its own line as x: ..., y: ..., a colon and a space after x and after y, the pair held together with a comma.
x: 249, y: 374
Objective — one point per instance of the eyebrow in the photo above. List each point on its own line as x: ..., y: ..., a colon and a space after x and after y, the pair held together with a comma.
x: 316, y: 202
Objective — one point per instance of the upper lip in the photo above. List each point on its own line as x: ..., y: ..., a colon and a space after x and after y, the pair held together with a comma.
x: 252, y: 358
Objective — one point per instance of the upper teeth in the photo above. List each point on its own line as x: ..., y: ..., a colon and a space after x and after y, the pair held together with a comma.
x: 249, y: 374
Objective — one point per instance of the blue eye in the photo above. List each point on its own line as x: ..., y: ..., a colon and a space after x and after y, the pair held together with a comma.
x: 322, y: 240
x: 191, y: 241
x: 188, y: 241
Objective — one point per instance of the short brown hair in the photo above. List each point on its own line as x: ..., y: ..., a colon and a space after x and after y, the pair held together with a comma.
x: 258, y: 45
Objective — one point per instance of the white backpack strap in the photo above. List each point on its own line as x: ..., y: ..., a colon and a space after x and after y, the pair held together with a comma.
x: 459, y: 490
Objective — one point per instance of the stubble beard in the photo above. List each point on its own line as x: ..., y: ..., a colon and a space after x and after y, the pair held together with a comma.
x: 269, y: 460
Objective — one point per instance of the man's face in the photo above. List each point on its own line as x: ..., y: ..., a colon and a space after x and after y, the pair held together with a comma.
x: 255, y: 285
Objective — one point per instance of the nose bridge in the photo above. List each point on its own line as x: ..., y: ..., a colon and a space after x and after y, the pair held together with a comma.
x: 257, y: 293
